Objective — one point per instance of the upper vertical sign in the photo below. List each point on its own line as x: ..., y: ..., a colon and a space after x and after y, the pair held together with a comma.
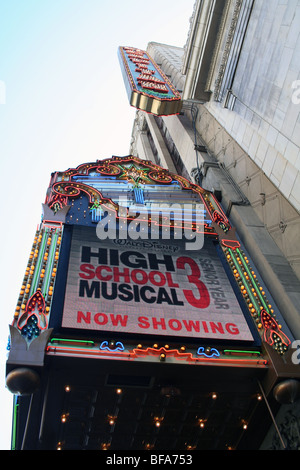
x: 147, y: 86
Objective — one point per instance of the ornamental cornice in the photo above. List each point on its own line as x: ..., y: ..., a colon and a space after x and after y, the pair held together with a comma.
x: 186, y: 47
x: 217, y: 47
x: 227, y: 48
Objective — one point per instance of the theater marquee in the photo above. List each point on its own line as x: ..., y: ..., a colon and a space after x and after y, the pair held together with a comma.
x: 147, y: 86
x: 157, y: 289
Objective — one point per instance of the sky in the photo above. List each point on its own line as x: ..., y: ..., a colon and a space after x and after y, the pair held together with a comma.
x: 62, y: 103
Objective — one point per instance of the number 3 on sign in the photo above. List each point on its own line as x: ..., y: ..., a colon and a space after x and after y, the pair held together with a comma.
x: 194, y: 278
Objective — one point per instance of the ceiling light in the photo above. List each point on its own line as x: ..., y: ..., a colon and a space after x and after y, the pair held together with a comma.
x: 201, y: 423
x: 64, y: 417
x: 157, y: 421
x: 245, y: 424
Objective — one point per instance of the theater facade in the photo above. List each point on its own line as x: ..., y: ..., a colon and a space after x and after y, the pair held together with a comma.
x: 142, y: 323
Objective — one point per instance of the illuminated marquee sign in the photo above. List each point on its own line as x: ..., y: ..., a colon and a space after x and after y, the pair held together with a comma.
x: 147, y: 87
x: 150, y: 287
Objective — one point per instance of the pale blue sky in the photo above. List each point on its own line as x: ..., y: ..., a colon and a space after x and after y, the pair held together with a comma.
x: 65, y: 104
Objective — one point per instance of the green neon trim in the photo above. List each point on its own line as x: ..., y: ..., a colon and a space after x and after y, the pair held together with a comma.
x: 63, y: 340
x: 14, y: 426
x: 253, y: 299
x: 35, y: 273
x: 50, y: 263
x: 38, y: 264
x: 241, y: 351
x: 253, y: 281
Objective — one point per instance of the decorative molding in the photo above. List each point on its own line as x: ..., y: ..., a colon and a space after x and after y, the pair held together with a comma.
x: 186, y: 47
x: 217, y: 46
x: 234, y: 41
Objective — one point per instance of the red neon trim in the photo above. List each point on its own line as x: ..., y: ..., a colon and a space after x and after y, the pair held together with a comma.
x: 80, y: 187
x: 36, y: 301
x: 52, y: 223
x: 233, y: 244
x: 158, y: 87
x: 157, y: 352
x: 68, y: 185
x: 89, y: 352
x: 139, y: 353
x: 271, y: 328
x: 85, y: 168
x: 219, y: 217
x: 176, y: 94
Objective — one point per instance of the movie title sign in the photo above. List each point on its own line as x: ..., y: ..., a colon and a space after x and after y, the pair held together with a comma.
x: 150, y: 290
x: 147, y: 86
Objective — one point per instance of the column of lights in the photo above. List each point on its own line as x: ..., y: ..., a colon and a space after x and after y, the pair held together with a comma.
x: 25, y: 288
x: 216, y: 213
x: 210, y: 206
x: 252, y: 292
x: 41, y: 269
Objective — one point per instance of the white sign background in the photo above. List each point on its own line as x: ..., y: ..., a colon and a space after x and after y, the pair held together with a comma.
x: 195, y: 300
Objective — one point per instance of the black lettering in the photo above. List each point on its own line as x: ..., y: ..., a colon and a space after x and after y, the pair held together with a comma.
x: 217, y: 295
x: 136, y: 293
x: 174, y: 298
x: 105, y: 294
x: 114, y: 258
x: 222, y: 306
x: 163, y: 296
x: 87, y: 290
x: 87, y: 254
x: 211, y: 281
x: 217, y: 289
x: 125, y: 292
x: 139, y: 260
x: 167, y: 261
x: 148, y: 300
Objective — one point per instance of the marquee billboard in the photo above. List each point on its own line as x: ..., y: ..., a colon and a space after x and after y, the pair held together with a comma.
x: 150, y: 287
x: 147, y: 86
